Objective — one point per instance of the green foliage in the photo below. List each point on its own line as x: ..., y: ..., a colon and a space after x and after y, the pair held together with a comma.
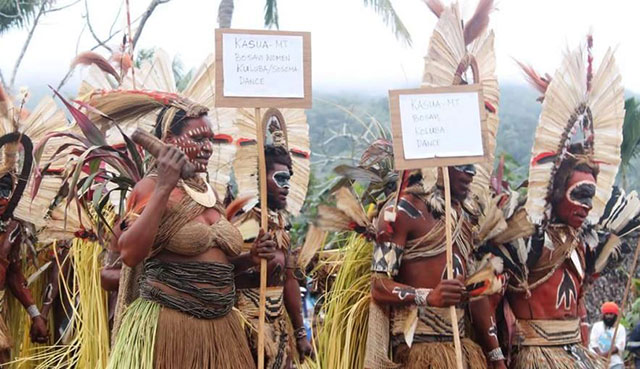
x: 143, y: 56
x: 342, y: 126
x: 631, y: 137
x: 519, y: 113
x: 12, y: 15
x: 181, y: 77
x: 514, y: 173
x: 633, y: 316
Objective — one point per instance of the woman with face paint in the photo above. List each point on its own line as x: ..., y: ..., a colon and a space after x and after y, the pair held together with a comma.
x: 176, y: 237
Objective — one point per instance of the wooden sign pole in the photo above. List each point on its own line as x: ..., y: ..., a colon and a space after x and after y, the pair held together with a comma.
x: 624, y: 300
x: 448, y: 221
x: 264, y: 224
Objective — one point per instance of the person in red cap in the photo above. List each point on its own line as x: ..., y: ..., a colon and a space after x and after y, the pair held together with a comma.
x: 602, y: 335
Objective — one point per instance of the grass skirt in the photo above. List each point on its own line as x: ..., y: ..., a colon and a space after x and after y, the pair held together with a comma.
x: 574, y: 356
x: 154, y: 337
x: 440, y: 355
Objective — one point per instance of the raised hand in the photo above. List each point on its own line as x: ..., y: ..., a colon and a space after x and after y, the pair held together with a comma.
x: 169, y: 163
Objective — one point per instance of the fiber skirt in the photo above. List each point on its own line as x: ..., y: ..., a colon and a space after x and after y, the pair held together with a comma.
x: 439, y: 355
x: 574, y: 356
x: 155, y: 337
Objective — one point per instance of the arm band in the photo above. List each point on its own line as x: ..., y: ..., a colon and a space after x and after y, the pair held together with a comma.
x: 33, y: 311
x: 387, y: 257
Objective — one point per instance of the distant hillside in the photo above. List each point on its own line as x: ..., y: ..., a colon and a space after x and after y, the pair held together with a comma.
x: 336, y: 132
x: 338, y: 136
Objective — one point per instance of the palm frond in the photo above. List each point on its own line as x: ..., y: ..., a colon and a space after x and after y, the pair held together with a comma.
x: 385, y: 9
x: 13, y: 16
x: 271, y: 14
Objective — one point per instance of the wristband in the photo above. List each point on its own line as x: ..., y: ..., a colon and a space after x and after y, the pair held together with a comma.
x: 495, y: 354
x: 422, y: 295
x: 300, y: 333
x: 33, y: 311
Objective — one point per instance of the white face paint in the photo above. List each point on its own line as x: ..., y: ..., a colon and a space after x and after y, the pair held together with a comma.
x: 282, y: 179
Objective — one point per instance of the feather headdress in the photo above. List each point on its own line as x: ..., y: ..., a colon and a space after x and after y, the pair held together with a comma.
x: 577, y: 103
x: 347, y: 215
x: 455, y: 48
x: 296, y: 133
x: 43, y: 211
x: 156, y: 90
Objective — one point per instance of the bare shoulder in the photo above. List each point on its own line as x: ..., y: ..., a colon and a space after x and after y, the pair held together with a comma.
x: 145, y: 185
x: 409, y: 216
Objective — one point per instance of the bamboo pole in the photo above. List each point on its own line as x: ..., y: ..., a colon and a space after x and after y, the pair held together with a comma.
x: 452, y: 309
x: 624, y: 300
x: 133, y: 73
x: 264, y: 223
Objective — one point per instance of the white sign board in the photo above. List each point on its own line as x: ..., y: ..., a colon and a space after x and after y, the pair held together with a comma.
x: 263, y: 66
x: 252, y: 66
x: 438, y: 124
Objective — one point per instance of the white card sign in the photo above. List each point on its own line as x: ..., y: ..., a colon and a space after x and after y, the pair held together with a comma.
x: 437, y: 126
x: 262, y: 65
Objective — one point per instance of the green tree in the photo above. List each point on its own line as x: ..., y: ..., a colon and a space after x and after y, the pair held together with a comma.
x: 630, y: 138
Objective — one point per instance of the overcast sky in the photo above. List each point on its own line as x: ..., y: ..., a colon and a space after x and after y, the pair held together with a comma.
x: 352, y: 49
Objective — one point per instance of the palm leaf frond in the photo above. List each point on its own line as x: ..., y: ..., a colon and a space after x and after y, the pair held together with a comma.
x: 271, y: 14
x: 13, y: 16
x: 385, y: 9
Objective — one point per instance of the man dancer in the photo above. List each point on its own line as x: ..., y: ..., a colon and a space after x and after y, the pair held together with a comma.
x: 11, y: 275
x: 575, y: 156
x: 283, y: 290
x: 409, y: 265
x: 602, y: 335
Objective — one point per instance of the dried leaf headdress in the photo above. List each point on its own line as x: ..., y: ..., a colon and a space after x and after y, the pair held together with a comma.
x: 578, y: 106
x: 157, y: 90
x: 455, y: 48
x: 42, y: 211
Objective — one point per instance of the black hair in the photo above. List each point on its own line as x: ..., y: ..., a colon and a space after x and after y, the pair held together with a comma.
x: 277, y: 155
x: 570, y: 164
x: 177, y: 124
x: 7, y: 180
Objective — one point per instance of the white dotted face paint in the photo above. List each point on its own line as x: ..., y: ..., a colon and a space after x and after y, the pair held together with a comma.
x: 196, y: 143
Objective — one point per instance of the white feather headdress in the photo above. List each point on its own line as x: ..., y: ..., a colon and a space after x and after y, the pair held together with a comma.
x: 48, y: 218
x: 574, y: 100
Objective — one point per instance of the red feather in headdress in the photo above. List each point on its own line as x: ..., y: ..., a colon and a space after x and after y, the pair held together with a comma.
x: 478, y: 22
x: 538, y: 82
x: 123, y: 61
x: 436, y: 6
x: 90, y: 57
